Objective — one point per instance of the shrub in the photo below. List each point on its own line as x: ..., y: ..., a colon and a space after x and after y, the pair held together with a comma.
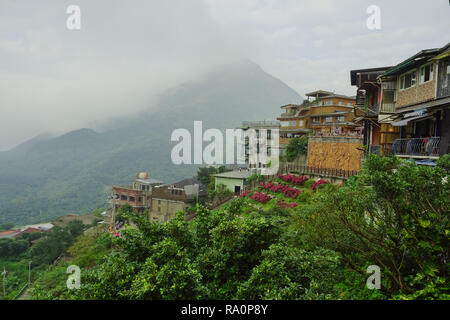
x: 281, y: 188
x: 283, y: 204
x: 308, y: 183
x: 317, y: 184
x: 261, y: 197
x: 296, y: 181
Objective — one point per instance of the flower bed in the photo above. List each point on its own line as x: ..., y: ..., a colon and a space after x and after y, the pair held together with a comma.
x: 296, y: 181
x: 316, y: 184
x: 261, y: 197
x: 281, y: 188
x: 282, y: 204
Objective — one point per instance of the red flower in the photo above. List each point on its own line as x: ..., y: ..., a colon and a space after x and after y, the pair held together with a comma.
x: 316, y: 184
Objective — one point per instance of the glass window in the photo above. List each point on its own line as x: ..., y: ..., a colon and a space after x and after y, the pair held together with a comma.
x: 328, y: 119
x: 426, y: 73
x: 408, y: 80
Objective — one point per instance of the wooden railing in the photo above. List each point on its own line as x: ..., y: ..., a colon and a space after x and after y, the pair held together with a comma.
x: 326, y: 172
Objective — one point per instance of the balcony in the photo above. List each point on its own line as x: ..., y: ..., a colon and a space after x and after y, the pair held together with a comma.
x: 388, y: 107
x: 417, y: 147
x: 288, y: 114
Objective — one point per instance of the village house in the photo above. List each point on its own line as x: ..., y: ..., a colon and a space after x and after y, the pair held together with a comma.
x: 367, y: 109
x: 235, y: 181
x: 138, y: 195
x: 166, y: 201
x: 420, y: 114
x: 162, y: 201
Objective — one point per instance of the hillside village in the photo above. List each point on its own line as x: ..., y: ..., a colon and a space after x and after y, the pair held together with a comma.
x: 400, y: 111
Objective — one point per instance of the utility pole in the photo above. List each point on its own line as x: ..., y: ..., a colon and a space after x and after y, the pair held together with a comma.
x: 4, y: 280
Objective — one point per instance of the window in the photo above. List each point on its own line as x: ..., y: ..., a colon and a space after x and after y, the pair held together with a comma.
x: 408, y: 80
x: 301, y: 123
x: 269, y: 134
x: 340, y: 119
x: 142, y: 187
x: 426, y: 73
x: 328, y: 119
x: 123, y: 197
x: 132, y: 199
x: 288, y: 123
x: 269, y: 151
x: 329, y: 102
x: 349, y: 104
x: 140, y: 199
x: 341, y: 103
x: 316, y: 119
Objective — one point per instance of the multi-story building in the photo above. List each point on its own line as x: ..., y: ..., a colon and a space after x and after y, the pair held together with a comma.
x: 332, y: 114
x: 138, y: 195
x: 294, y: 122
x: 160, y: 200
x: 367, y: 109
x: 323, y: 113
x: 166, y: 201
x: 266, y: 136
x: 416, y: 102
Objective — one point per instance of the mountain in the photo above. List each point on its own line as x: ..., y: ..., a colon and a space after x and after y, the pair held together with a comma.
x: 50, y: 176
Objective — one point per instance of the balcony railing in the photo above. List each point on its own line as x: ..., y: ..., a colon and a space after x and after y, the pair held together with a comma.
x: 417, y: 147
x: 388, y: 107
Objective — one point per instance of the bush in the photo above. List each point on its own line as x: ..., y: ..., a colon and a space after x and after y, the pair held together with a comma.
x: 395, y: 215
x: 296, y: 147
x: 308, y: 183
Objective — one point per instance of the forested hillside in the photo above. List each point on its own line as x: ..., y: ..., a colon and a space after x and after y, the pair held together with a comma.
x: 290, y: 238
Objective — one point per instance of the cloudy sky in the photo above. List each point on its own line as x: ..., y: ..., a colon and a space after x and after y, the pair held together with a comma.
x: 54, y: 80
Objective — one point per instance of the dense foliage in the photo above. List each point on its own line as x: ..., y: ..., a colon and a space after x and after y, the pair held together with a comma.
x: 296, y: 147
x: 394, y: 214
x: 219, y: 255
x: 41, y: 249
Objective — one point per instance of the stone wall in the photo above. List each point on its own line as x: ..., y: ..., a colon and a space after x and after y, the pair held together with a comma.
x: 335, y: 152
x: 420, y: 92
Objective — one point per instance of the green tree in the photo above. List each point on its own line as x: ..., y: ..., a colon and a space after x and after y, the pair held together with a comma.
x: 395, y: 215
x: 296, y: 147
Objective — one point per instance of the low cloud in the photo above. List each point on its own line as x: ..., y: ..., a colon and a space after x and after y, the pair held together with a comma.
x: 56, y: 80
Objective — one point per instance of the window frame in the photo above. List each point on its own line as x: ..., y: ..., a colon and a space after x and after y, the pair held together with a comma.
x: 431, y: 76
x: 402, y: 79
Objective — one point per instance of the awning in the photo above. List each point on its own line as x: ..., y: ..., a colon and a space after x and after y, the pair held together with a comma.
x: 404, y: 122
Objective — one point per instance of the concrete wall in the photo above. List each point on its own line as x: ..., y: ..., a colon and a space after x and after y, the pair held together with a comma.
x: 164, y: 210
x: 335, y: 152
x: 230, y: 183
